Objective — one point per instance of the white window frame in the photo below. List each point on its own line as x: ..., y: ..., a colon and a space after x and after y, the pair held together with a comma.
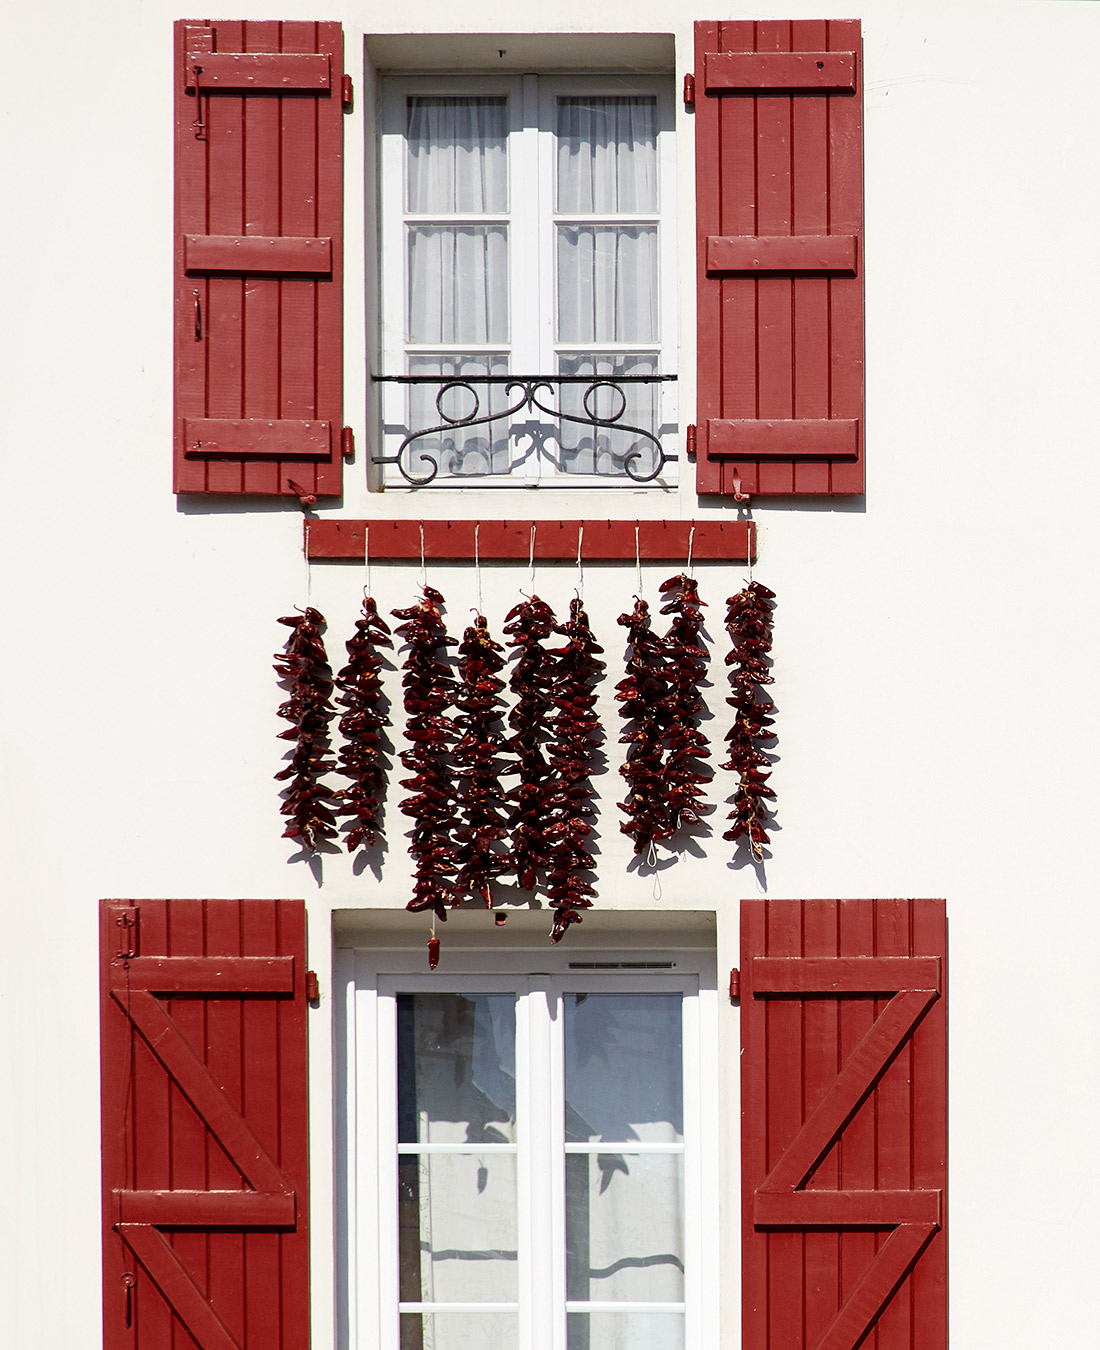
x: 532, y: 228
x: 367, y: 1253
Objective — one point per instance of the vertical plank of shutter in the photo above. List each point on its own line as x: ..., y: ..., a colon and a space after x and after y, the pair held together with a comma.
x: 894, y: 1107
x: 192, y: 1150
x: 775, y: 301
x: 223, y: 1054
x: 293, y: 1094
x: 154, y: 1099
x: 738, y: 172
x: 785, y: 1088
x: 821, y: 1056
x: 225, y: 317
x: 929, y: 1277
x: 261, y: 293
x: 298, y: 314
x: 260, y: 1103
x: 709, y: 311
x: 330, y: 296
x: 857, y: 1144
x: 190, y: 475
x: 754, y: 1136
x: 810, y: 215
x: 846, y: 211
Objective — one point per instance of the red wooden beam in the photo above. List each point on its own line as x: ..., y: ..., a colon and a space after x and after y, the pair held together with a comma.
x: 555, y: 540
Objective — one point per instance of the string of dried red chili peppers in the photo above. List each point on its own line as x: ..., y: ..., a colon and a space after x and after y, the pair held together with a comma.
x: 528, y: 625
x: 481, y: 857
x: 576, y: 735
x: 644, y: 695
x: 429, y: 691
x: 303, y: 667
x: 749, y: 624
x: 361, y: 725
x: 685, y: 742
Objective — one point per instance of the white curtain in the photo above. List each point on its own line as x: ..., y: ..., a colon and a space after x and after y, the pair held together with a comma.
x: 458, y: 158
x: 458, y: 274
x: 607, y: 155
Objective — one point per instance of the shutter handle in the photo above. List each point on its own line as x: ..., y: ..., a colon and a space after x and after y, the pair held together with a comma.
x: 128, y: 1282
x: 198, y: 317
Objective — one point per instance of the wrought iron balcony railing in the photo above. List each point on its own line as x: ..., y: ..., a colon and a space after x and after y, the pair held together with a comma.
x: 581, y: 425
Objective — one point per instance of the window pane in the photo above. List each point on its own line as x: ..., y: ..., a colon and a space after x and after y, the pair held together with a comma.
x: 458, y: 283
x: 623, y: 1075
x: 458, y: 1228
x: 457, y: 155
x: 471, y: 453
x: 459, y: 1331
x: 624, y: 1222
x: 456, y: 1068
x: 607, y: 155
x: 608, y: 450
x: 624, y: 1331
x: 607, y: 283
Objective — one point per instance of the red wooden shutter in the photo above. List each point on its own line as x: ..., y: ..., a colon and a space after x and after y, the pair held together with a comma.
x: 259, y: 221
x: 844, y: 1107
x: 778, y: 136
x: 204, y: 1104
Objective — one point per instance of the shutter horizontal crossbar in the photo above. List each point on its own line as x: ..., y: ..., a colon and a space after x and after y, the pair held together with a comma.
x: 845, y: 1209
x: 783, y: 438
x: 208, y: 1209
x: 257, y: 253
x: 554, y: 540
x: 807, y: 976
x: 789, y: 72
x: 786, y: 253
x: 256, y: 438
x: 207, y: 975
x: 270, y: 71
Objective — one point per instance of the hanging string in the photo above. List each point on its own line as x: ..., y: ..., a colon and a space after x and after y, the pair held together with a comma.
x: 366, y: 561
x: 309, y: 570
x: 477, y: 566
x: 752, y: 531
x: 638, y: 556
x: 531, y: 557
x: 691, y: 544
x: 580, y: 562
x: 423, y: 564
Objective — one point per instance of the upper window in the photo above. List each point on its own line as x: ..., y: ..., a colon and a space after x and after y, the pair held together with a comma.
x: 527, y: 281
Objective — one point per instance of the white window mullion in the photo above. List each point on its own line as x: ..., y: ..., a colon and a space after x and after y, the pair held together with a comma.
x: 526, y: 213
x: 385, y: 1026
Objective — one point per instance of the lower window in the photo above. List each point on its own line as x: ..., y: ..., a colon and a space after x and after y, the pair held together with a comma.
x: 528, y: 1159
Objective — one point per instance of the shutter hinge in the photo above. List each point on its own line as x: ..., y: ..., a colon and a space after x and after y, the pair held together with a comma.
x: 735, y: 985
x: 347, y: 443
x: 347, y: 94
x: 126, y: 920
x: 689, y: 441
x: 689, y: 91
x: 313, y: 988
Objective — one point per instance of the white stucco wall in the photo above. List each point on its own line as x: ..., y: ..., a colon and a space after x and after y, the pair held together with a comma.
x: 935, y: 644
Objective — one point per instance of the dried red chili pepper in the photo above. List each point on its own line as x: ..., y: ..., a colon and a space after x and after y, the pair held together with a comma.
x: 644, y: 694
x: 429, y: 691
x: 481, y: 856
x: 528, y: 625
x: 303, y: 667
x: 576, y: 735
x: 749, y: 624
x: 685, y: 743
x: 361, y: 757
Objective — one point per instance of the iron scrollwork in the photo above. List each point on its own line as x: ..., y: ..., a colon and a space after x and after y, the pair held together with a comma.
x: 642, y: 460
